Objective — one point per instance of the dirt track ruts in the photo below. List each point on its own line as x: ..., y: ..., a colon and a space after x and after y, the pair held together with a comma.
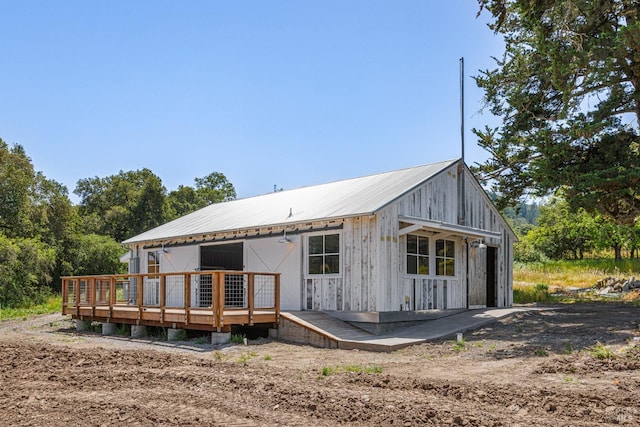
x: 533, y: 368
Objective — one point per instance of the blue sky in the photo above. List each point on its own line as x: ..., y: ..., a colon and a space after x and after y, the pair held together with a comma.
x: 286, y: 93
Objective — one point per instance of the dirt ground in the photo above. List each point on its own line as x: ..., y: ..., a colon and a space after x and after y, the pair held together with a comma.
x: 575, y: 365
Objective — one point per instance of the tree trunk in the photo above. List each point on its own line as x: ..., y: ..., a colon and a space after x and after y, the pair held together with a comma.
x: 618, y: 252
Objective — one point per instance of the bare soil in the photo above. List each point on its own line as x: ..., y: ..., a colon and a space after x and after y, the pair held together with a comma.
x: 575, y: 365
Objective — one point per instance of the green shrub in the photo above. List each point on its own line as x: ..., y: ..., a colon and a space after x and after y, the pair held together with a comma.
x: 238, y: 338
x: 600, y: 351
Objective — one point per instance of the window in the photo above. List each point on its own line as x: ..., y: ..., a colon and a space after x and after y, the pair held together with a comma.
x: 153, y: 263
x: 324, y: 254
x: 445, y: 257
x: 417, y: 254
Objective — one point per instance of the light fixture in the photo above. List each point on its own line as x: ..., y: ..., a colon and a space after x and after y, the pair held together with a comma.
x: 480, y: 244
x: 284, y: 238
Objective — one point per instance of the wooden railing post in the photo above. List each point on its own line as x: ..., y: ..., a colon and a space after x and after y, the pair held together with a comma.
x: 65, y: 293
x: 139, y: 293
x: 187, y: 297
x: 92, y: 295
x: 163, y: 296
x: 276, y: 296
x: 76, y: 295
x: 112, y: 294
x: 220, y: 278
x: 251, y: 295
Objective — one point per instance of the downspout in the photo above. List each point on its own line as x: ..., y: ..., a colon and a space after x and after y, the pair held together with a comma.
x: 466, y: 243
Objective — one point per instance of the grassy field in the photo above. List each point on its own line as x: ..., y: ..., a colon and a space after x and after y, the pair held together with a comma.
x: 52, y: 305
x: 577, y: 274
x: 534, y: 282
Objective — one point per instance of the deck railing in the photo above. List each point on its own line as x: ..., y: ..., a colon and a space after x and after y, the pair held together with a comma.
x: 198, y: 300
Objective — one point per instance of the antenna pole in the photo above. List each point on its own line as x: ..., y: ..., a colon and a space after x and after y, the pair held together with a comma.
x: 462, y: 209
x: 462, y: 105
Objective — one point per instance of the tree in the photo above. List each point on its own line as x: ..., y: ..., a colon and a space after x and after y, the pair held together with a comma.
x: 122, y: 205
x: 567, y: 92
x: 610, y: 235
x: 561, y: 233
x: 184, y: 200
x: 16, y: 182
x: 95, y: 254
x: 53, y: 216
x: 25, y: 271
x: 213, y: 188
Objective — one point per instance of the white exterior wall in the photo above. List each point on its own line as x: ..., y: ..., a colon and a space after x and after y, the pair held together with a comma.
x: 374, y: 274
x: 481, y: 213
x: 373, y: 257
x: 437, y: 200
x: 180, y: 258
x: 354, y: 289
x: 268, y: 255
x: 434, y: 200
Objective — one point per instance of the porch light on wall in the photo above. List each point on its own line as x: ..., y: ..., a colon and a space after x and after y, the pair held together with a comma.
x: 480, y: 244
x: 284, y: 238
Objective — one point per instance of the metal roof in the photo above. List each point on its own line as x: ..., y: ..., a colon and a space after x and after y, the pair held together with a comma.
x: 339, y: 199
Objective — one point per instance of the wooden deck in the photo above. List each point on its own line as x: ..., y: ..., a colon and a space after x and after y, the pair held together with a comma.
x: 204, y: 300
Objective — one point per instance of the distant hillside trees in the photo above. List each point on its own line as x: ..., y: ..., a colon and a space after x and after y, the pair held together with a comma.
x: 563, y: 232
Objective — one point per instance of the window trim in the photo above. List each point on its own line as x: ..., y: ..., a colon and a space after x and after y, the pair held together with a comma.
x: 433, y: 257
x: 418, y: 255
x: 445, y: 257
x: 308, y: 255
x: 156, y: 257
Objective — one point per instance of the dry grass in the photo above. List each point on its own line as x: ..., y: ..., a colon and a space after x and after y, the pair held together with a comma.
x: 572, y: 274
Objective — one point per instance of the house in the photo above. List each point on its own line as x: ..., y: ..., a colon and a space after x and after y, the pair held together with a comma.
x: 410, y: 240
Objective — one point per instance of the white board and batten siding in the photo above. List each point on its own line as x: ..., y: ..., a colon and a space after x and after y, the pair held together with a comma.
x: 374, y: 276
x: 354, y: 288
x: 480, y: 213
x: 269, y: 255
x: 433, y: 200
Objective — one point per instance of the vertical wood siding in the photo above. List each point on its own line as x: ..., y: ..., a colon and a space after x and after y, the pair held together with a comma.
x: 374, y: 267
x: 373, y: 257
x: 482, y: 214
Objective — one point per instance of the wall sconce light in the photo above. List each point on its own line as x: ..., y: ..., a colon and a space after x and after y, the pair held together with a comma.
x: 480, y: 244
x: 284, y: 238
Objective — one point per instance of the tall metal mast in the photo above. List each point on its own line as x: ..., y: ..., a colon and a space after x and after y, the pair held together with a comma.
x: 462, y: 105
x: 461, y: 166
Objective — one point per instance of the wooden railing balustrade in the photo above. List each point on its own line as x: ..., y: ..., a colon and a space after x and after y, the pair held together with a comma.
x: 207, y: 300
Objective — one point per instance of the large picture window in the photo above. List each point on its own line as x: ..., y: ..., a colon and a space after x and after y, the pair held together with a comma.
x: 324, y: 254
x: 417, y: 254
x: 445, y: 257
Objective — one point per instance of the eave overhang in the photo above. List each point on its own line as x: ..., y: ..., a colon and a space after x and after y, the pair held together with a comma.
x: 413, y: 224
